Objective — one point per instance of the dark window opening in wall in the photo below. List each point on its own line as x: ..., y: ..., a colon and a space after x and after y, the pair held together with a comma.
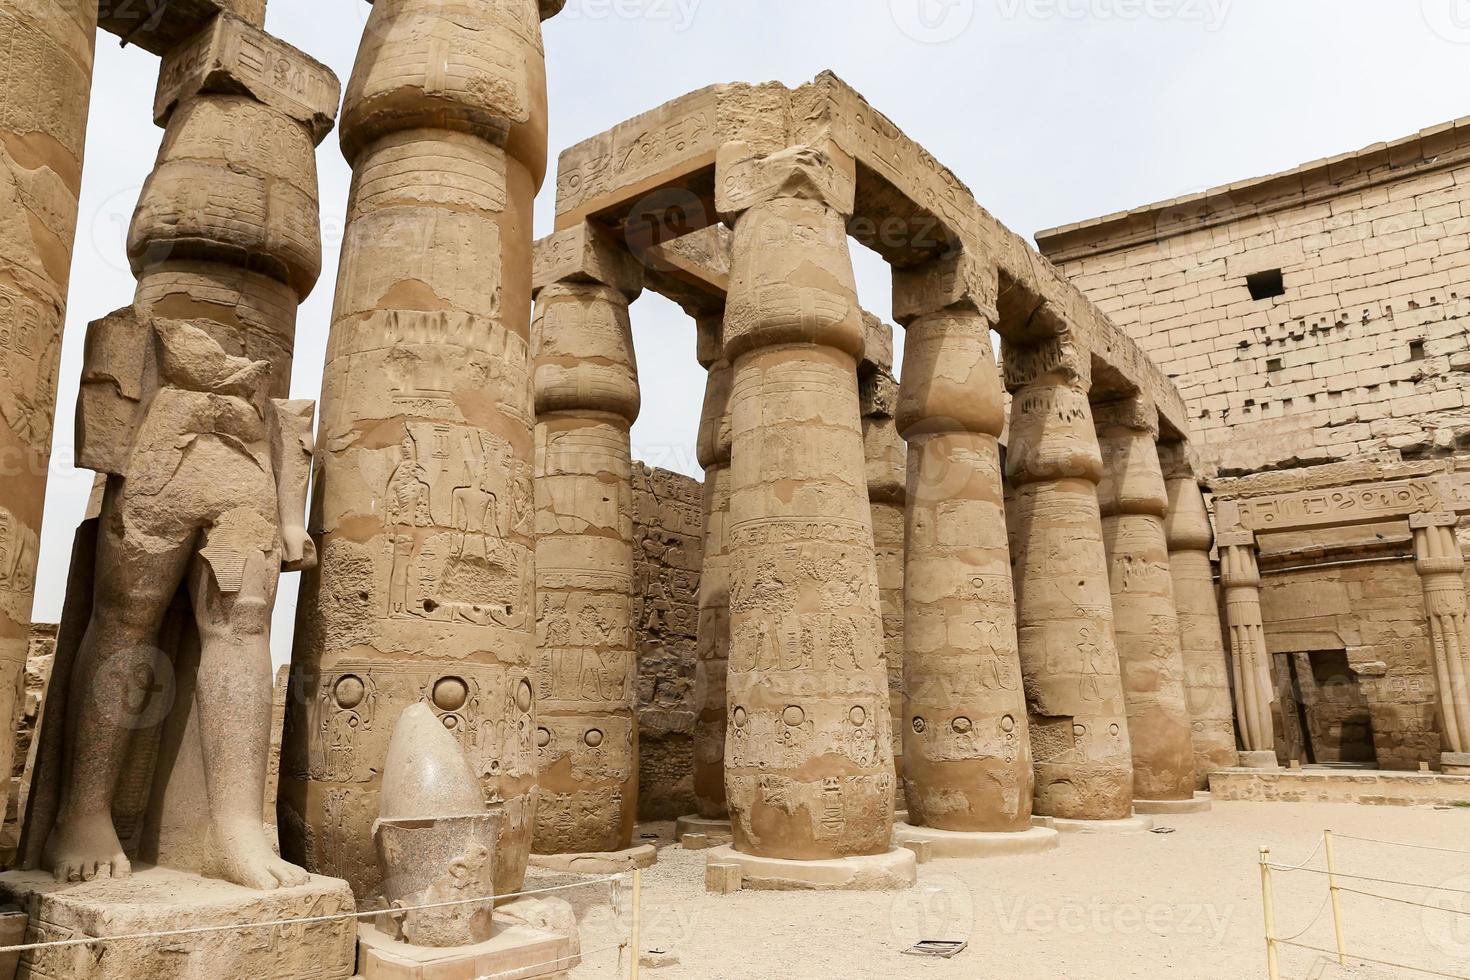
x: 1416, y: 350
x: 1264, y: 285
x: 1273, y: 365
x: 1326, y: 716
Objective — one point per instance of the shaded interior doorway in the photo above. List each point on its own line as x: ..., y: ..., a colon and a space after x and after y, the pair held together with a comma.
x: 1324, y: 716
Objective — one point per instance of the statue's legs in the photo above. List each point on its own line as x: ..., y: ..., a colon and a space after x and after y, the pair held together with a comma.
x: 234, y: 698
x: 138, y: 570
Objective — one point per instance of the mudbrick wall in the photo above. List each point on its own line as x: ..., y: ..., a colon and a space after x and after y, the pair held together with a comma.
x: 668, y: 538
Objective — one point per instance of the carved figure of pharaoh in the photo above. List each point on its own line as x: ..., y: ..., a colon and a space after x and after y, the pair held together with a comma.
x: 205, y: 492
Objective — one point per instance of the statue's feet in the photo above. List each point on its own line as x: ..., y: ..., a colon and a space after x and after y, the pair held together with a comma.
x: 254, y: 865
x: 84, y: 849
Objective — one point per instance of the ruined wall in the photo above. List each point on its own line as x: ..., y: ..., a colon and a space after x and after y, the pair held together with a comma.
x: 668, y: 549
x: 40, y: 654
x: 1363, y: 350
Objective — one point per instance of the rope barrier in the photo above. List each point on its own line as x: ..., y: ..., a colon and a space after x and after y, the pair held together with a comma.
x: 1404, y: 901
x: 308, y: 920
x: 1379, y: 881
x: 1297, y: 867
x: 1397, y: 843
x: 1320, y: 909
x: 1369, y: 959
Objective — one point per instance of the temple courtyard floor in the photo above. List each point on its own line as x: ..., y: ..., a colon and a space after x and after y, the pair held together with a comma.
x: 1181, y: 904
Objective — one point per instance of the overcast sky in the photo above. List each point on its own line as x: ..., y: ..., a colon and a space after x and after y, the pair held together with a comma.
x: 1050, y: 110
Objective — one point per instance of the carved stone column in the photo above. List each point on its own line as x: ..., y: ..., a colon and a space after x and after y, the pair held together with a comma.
x: 423, y: 490
x: 1240, y: 577
x: 586, y: 389
x: 808, y: 758
x: 1133, y: 502
x: 966, y: 741
x: 1201, y: 639
x: 47, y: 75
x: 1441, y: 566
x: 1069, y: 662
x: 885, y: 456
x: 713, y: 632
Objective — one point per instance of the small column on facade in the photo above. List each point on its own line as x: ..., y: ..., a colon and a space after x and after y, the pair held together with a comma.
x: 1133, y: 502
x: 423, y: 506
x: 1201, y: 639
x: 585, y: 380
x: 884, y: 454
x: 1069, y: 661
x: 1240, y: 577
x: 808, y: 757
x: 47, y: 72
x: 712, y: 637
x: 968, y: 780
x: 1441, y: 566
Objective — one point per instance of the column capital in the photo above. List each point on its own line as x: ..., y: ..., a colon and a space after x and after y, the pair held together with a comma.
x: 1136, y: 412
x: 1235, y: 539
x: 959, y: 278
x: 585, y: 254
x: 745, y: 178
x: 709, y: 339
x: 877, y: 353
x: 1057, y: 350
x: 1417, y: 521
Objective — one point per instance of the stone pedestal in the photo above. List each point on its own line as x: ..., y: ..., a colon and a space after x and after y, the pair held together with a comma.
x: 1137, y: 824
x: 890, y: 870
x: 599, y: 863
x: 159, y: 900
x: 1079, y: 726
x: 957, y: 844
x: 1198, y: 803
x: 1454, y: 763
x: 1133, y: 502
x: 515, y: 951
x: 716, y: 831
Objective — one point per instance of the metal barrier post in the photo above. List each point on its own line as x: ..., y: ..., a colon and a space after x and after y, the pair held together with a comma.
x: 1273, y: 968
x: 1336, y: 906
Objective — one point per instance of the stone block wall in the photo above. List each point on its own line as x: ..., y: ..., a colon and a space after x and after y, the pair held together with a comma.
x: 1365, y: 347
x: 39, y: 657
x: 668, y: 537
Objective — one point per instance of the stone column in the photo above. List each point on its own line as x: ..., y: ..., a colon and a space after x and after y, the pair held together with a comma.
x: 1069, y: 661
x: 713, y: 632
x: 47, y: 80
x: 808, y: 758
x: 1240, y: 577
x: 1133, y: 503
x: 1441, y: 566
x: 885, y: 456
x: 965, y: 731
x: 1201, y: 639
x: 586, y: 388
x: 423, y: 493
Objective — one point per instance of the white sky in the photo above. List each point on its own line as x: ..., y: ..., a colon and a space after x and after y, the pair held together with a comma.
x: 1050, y: 110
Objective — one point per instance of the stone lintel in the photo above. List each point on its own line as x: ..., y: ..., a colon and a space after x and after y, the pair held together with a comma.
x: 745, y: 178
x: 1137, y: 412
x: 234, y: 57
x: 585, y: 253
x: 959, y: 278
x: 1179, y: 460
x: 1417, y: 521
x: 692, y: 270
x: 159, y: 27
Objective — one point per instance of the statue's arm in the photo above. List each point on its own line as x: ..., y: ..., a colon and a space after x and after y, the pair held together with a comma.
x: 291, y: 448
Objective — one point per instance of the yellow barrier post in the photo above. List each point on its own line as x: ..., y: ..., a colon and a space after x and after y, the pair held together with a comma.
x: 1273, y: 969
x: 1336, y: 907
x: 637, y: 921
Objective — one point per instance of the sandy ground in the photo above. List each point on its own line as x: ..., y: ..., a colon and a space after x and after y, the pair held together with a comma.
x: 1180, y: 905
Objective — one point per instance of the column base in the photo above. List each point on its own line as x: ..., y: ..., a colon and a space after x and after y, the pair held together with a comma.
x: 1454, y: 763
x: 958, y: 844
x: 515, y: 949
x: 1199, y: 804
x: 1259, y: 760
x: 892, y: 870
x: 901, y: 816
x: 599, y: 862
x: 1135, y: 824
x: 715, y: 831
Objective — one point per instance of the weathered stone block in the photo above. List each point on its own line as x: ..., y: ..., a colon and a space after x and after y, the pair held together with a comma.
x: 744, y: 179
